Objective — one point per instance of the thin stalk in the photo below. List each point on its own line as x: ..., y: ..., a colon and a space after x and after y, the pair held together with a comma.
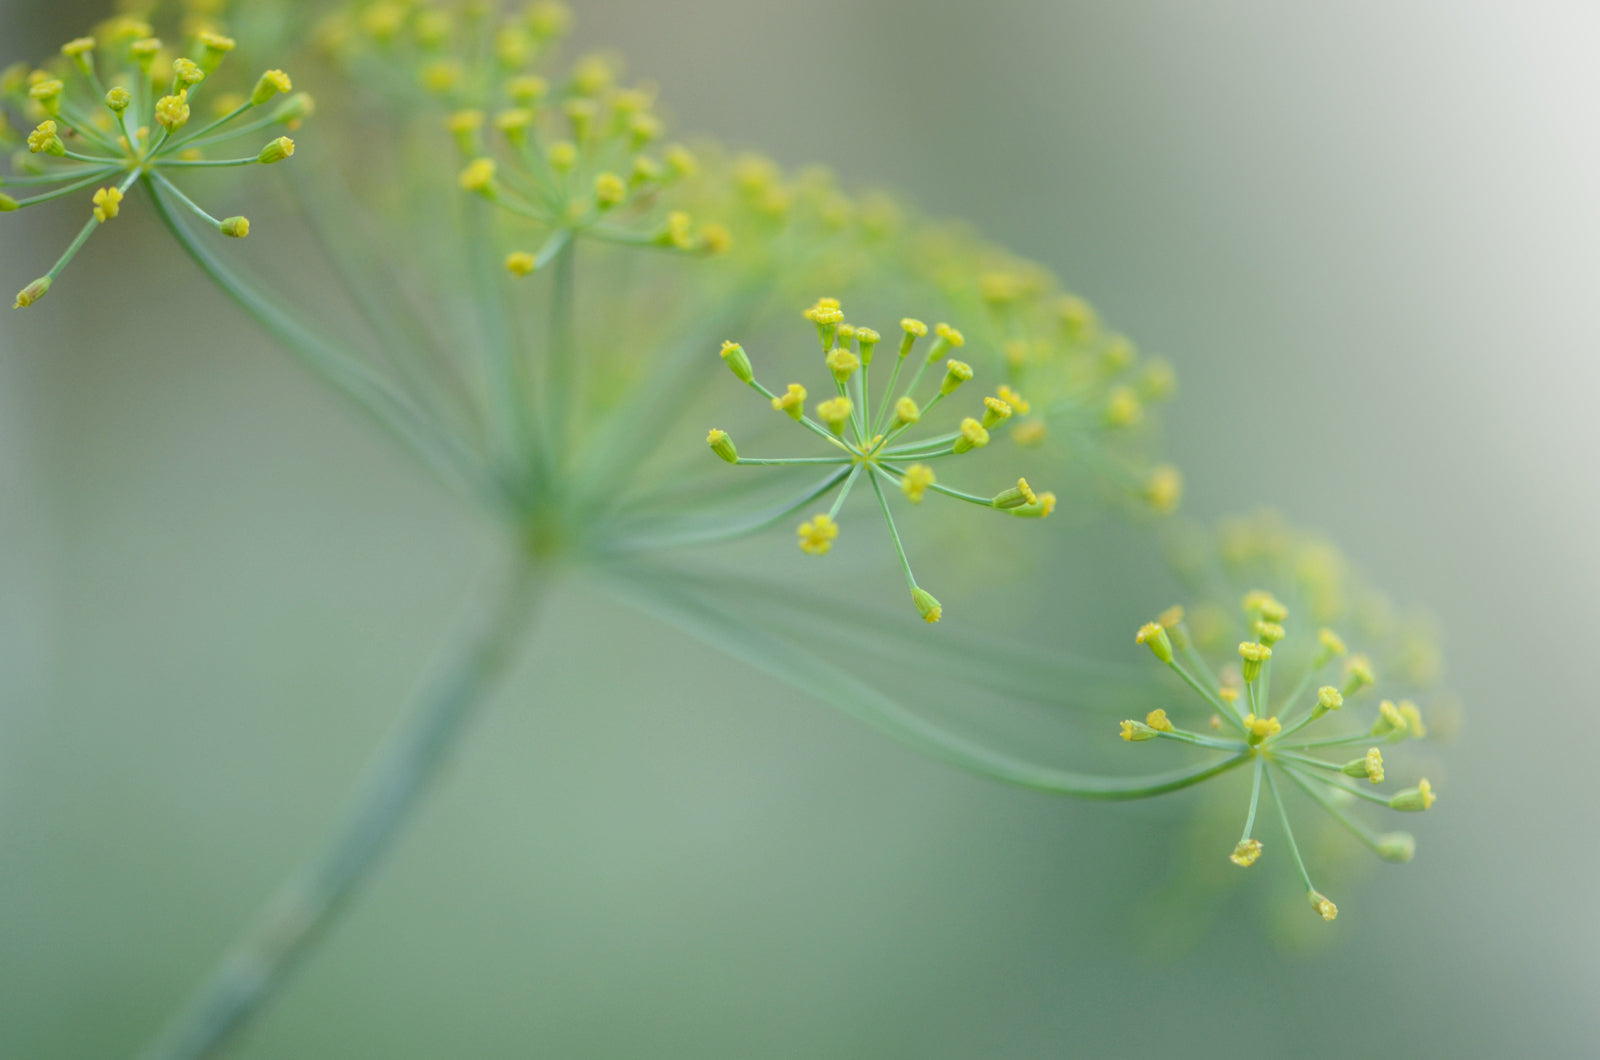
x: 268, y: 953
x: 815, y: 675
x: 1288, y: 832
x: 442, y: 453
x: 562, y: 356
x: 733, y: 531
x: 1255, y: 798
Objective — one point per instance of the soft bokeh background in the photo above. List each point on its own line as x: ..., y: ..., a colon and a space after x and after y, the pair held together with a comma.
x: 1368, y: 237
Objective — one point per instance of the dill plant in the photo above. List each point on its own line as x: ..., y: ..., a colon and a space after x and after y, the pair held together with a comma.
x: 541, y: 297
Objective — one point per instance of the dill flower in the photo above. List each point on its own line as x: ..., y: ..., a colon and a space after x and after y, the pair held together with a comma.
x: 115, y: 110
x: 1283, y: 734
x: 575, y: 156
x: 875, y: 448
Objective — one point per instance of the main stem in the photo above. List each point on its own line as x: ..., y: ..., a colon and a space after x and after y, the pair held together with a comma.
x: 264, y: 958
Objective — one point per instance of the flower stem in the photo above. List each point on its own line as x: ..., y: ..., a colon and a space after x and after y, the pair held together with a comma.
x: 263, y: 959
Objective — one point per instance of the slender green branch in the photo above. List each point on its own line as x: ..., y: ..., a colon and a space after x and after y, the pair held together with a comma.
x: 443, y: 454
x: 288, y: 928
x: 814, y: 675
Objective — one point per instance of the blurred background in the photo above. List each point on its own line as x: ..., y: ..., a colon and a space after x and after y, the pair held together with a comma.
x: 1367, y: 236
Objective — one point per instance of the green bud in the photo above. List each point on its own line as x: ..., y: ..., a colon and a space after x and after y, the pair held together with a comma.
x: 738, y: 362
x: 722, y: 445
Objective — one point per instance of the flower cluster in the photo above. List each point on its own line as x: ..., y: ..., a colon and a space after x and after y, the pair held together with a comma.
x: 867, y: 443
x: 115, y: 109
x: 1241, y: 717
x: 1086, y: 384
x: 578, y: 155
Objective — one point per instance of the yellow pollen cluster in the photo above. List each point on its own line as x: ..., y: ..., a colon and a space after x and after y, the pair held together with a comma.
x: 1157, y: 720
x: 915, y: 485
x: 818, y: 534
x: 1014, y: 399
x: 107, y: 201
x: 1245, y: 853
x: 1325, y: 909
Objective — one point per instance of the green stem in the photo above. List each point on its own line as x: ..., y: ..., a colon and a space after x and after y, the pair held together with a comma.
x: 562, y: 363
x: 442, y: 454
x: 263, y: 959
x: 781, y: 656
x: 1288, y: 832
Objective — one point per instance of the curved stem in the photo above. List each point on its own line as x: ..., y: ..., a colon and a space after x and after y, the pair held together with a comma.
x: 814, y: 675
x: 268, y: 952
x: 441, y: 452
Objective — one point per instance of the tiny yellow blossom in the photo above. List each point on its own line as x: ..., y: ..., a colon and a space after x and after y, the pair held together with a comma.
x: 915, y: 485
x: 995, y: 411
x: 1123, y: 408
x: 835, y: 412
x: 722, y: 445
x: 1259, y: 729
x: 235, y: 227
x: 1246, y: 852
x: 609, y: 190
x: 1155, y: 636
x: 792, y: 401
x: 842, y: 363
x: 1137, y: 731
x: 1163, y: 489
x: 1157, y: 719
x: 520, y: 263
x: 905, y: 413
x: 818, y: 534
x: 972, y: 436
x: 1017, y: 402
x: 1325, y: 909
x: 173, y: 111
x: 107, y: 201
x: 1415, y: 800
x: 926, y: 605
x: 478, y: 177
x: 738, y: 362
x: 955, y: 373
x: 1254, y: 655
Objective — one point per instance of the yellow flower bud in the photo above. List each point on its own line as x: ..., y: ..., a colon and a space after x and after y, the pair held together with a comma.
x: 972, y: 436
x: 842, y: 363
x: 1246, y: 852
x: 792, y: 402
x: 173, y: 111
x: 1254, y: 655
x: 738, y: 361
x: 1259, y: 729
x: 1155, y: 636
x: 955, y: 373
x: 1367, y: 767
x: 271, y: 83
x: 818, y: 534
x: 235, y: 227
x: 905, y: 413
x: 1415, y: 800
x: 478, y: 177
x: 32, y: 293
x: 926, y: 605
x: 722, y: 445
x: 1157, y: 719
x: 520, y: 263
x: 276, y: 151
x: 1325, y: 909
x: 1017, y: 496
x: 915, y: 485
x: 995, y: 411
x: 835, y: 412
x: 1397, y: 846
x: 107, y: 201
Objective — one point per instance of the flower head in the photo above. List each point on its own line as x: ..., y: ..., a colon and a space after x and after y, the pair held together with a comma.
x: 868, y: 445
x: 137, y: 131
x: 1279, y: 726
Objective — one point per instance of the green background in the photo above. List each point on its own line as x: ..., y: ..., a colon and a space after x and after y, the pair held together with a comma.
x: 1368, y: 239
